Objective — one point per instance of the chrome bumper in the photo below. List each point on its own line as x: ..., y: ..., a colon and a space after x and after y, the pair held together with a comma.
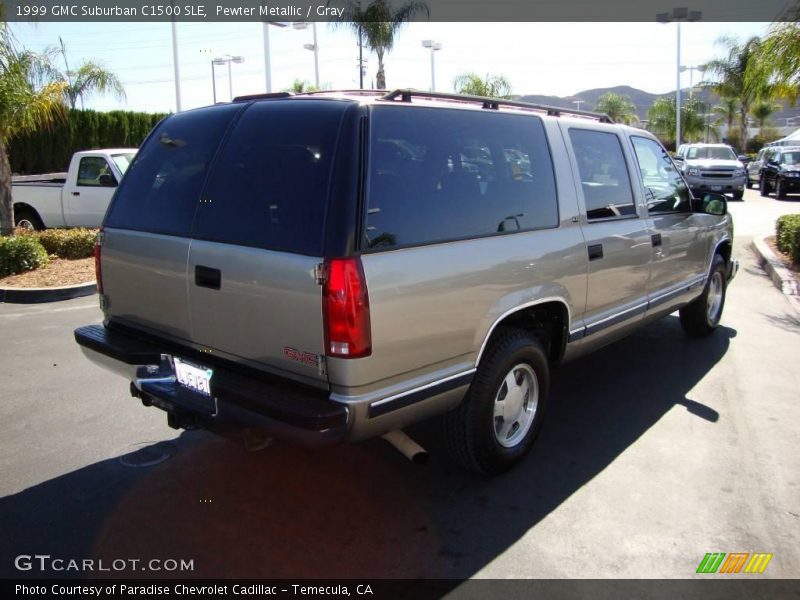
x: 733, y: 268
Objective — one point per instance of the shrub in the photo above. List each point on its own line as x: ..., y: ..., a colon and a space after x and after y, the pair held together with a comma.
x: 68, y: 243
x: 21, y: 253
x: 787, y: 238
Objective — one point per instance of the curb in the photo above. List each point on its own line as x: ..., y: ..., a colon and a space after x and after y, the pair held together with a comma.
x: 51, y: 294
x: 783, y: 279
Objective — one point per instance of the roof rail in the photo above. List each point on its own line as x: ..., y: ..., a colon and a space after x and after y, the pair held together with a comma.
x: 262, y: 96
x: 494, y: 103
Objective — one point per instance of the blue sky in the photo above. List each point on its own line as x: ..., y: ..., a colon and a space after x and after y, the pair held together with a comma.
x: 539, y: 58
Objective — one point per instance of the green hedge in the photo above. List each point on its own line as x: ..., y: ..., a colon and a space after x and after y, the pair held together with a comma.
x: 20, y: 253
x: 787, y: 230
x: 49, y: 151
x: 68, y: 243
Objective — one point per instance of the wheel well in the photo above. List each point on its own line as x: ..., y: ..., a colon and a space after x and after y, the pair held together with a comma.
x: 549, y: 321
x: 724, y: 250
x: 18, y: 206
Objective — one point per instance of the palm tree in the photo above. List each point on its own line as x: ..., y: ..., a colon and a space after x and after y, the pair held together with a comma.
x: 301, y: 87
x: 661, y: 117
x: 88, y: 78
x: 726, y: 112
x: 779, y: 59
x: 762, y: 111
x: 491, y: 86
x: 28, y: 101
x: 736, y: 76
x: 377, y: 24
x: 618, y: 107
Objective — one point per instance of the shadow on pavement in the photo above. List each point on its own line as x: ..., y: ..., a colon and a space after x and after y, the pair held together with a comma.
x: 359, y: 510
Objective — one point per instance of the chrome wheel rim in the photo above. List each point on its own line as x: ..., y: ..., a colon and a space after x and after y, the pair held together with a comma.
x: 714, y: 300
x: 25, y: 224
x: 515, y: 405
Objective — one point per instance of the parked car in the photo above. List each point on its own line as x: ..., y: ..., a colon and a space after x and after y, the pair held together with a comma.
x: 78, y: 198
x: 276, y: 265
x: 712, y: 168
x: 754, y: 169
x: 781, y: 171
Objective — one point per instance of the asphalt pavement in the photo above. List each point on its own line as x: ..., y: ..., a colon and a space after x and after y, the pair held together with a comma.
x: 657, y: 450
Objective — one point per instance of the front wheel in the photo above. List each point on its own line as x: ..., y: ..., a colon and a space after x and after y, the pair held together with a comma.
x: 702, y: 315
x: 763, y: 187
x: 498, y: 420
x: 738, y: 195
x: 780, y: 189
x: 27, y: 219
x: 749, y: 184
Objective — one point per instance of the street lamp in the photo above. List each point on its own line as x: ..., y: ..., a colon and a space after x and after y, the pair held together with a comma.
x: 578, y: 103
x: 313, y: 47
x: 678, y: 15
x: 691, y: 70
x: 433, y: 47
x: 267, y: 65
x: 221, y: 60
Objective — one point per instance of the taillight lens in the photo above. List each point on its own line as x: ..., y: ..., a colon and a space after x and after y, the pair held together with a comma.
x: 98, y: 272
x: 346, y: 309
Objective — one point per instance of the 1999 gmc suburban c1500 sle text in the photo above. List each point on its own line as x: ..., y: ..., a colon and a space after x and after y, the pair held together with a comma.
x: 335, y: 266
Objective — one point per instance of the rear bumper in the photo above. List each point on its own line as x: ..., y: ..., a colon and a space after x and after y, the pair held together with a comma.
x: 239, y: 397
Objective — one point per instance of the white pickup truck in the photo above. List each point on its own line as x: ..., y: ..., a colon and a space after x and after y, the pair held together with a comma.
x: 77, y: 198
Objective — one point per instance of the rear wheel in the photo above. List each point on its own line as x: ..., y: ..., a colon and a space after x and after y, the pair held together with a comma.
x: 27, y: 219
x: 749, y: 184
x: 702, y: 316
x: 738, y: 195
x: 496, y: 424
x: 763, y: 187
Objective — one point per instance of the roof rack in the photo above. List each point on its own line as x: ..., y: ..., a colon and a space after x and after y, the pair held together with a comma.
x: 262, y: 96
x: 495, y: 103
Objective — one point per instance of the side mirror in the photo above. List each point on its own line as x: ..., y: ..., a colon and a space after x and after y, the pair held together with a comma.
x: 743, y: 158
x: 712, y: 204
x: 107, y: 180
x: 678, y: 159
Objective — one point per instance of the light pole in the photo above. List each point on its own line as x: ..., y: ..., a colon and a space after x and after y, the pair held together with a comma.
x: 678, y: 15
x: 313, y: 47
x: 176, y: 62
x: 691, y: 70
x: 267, y: 66
x: 433, y: 47
x: 578, y: 103
x: 221, y: 60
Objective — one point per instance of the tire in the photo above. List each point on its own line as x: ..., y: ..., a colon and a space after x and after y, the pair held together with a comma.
x: 749, y: 184
x: 27, y: 219
x: 738, y: 195
x: 497, y: 422
x: 702, y: 316
x: 763, y: 187
x: 780, y: 189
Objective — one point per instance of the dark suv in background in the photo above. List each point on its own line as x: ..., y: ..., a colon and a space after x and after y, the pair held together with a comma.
x: 780, y: 171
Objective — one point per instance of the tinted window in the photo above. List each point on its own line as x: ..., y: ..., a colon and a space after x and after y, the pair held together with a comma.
x: 664, y: 188
x: 790, y: 158
x: 438, y: 174
x: 93, y: 171
x: 604, y: 174
x: 712, y: 152
x: 160, y: 190
x: 270, y: 185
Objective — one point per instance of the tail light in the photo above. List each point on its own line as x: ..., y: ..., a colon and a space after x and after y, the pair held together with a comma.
x: 98, y: 272
x: 345, y: 305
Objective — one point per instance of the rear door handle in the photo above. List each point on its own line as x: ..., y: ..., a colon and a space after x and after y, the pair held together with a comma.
x: 595, y: 251
x: 76, y: 193
x: 656, y: 240
x: 207, y: 277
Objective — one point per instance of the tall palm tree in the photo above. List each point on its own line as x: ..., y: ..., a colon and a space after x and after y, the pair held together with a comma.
x: 726, y: 112
x: 735, y: 76
x: 762, y: 111
x: 29, y: 101
x: 88, y: 78
x: 661, y: 117
x: 617, y: 106
x: 491, y: 86
x: 377, y: 24
x: 779, y: 59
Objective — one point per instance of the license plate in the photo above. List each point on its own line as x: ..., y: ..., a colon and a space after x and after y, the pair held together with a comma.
x: 193, y: 377
x: 716, y: 188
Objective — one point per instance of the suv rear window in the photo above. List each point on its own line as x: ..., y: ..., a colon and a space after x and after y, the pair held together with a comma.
x: 160, y: 190
x: 439, y: 174
x: 270, y: 184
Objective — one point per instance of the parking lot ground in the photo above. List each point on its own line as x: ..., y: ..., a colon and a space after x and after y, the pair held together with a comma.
x: 656, y: 450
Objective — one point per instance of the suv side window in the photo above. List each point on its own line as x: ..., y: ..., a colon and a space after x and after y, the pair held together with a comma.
x: 664, y: 188
x: 604, y: 175
x: 439, y: 175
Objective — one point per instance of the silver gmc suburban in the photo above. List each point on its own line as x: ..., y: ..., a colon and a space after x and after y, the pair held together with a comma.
x: 338, y: 265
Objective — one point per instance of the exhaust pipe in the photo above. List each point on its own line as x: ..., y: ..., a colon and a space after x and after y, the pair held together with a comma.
x: 407, y: 447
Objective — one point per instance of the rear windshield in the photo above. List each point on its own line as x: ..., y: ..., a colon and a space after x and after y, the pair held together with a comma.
x: 270, y: 184
x: 160, y: 190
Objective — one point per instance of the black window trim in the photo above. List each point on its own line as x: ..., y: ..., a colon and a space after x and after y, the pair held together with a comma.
x: 641, y: 179
x: 361, y: 247
x: 636, y: 203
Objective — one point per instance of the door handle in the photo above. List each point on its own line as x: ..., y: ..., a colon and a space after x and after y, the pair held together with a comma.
x: 207, y: 277
x: 656, y: 240
x: 595, y: 251
x: 76, y: 193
